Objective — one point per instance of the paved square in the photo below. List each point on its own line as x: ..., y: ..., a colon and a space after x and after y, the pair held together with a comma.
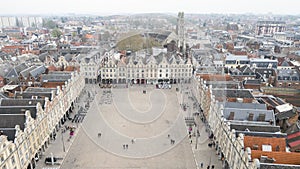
x: 146, y: 122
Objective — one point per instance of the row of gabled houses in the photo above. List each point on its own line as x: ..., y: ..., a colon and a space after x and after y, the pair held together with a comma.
x: 249, y: 129
x: 30, y: 116
x: 147, y: 69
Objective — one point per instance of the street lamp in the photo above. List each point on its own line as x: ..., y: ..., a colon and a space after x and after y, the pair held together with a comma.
x: 197, y: 136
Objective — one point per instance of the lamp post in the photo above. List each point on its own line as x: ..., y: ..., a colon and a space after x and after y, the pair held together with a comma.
x: 197, y: 136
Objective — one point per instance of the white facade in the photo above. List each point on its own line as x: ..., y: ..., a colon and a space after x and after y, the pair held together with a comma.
x: 146, y: 70
x: 36, y: 135
x: 229, y: 147
x: 89, y: 67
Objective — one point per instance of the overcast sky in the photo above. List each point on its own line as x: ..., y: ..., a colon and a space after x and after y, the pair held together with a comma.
x: 12, y: 7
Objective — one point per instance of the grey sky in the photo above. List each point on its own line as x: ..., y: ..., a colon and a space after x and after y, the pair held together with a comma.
x: 11, y: 7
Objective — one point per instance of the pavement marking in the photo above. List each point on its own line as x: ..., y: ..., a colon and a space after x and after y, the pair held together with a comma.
x: 139, y: 121
x: 179, y: 119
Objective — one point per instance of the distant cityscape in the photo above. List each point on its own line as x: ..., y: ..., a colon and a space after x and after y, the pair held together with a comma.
x: 241, y: 74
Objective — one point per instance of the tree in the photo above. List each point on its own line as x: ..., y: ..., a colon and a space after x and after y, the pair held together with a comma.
x: 56, y: 33
x: 49, y: 24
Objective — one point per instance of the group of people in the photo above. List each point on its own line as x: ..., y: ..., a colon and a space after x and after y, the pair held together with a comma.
x: 172, y: 140
x: 125, y: 146
x: 208, y: 167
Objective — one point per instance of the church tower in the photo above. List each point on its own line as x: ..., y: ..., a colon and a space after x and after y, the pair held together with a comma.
x: 180, y: 32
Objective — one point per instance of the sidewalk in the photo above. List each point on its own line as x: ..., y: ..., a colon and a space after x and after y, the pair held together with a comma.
x: 60, y: 146
x: 202, y: 152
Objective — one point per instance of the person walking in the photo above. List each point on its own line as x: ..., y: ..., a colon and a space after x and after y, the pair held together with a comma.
x: 99, y: 134
x: 126, y: 146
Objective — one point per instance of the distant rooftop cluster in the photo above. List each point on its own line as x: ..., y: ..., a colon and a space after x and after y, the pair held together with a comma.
x: 244, y: 71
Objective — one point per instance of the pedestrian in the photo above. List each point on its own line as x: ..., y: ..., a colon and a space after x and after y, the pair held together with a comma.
x: 123, y: 146
x: 99, y: 134
x: 190, y: 136
x: 168, y: 135
x: 208, y: 167
x: 171, y: 141
x: 126, y: 146
x: 213, y: 166
x: 54, y: 136
x: 191, y: 141
x: 132, y: 141
x: 71, y: 134
x: 201, y: 165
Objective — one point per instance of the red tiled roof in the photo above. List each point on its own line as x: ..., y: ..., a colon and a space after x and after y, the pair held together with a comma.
x: 293, y: 135
x: 280, y: 157
x: 294, y: 144
x: 210, y: 77
x: 250, y: 141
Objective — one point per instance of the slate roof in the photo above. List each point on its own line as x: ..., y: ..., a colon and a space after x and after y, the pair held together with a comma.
x: 68, y: 57
x: 10, y: 133
x: 38, y: 71
x: 18, y: 110
x: 232, y: 93
x: 246, y: 70
x: 25, y: 73
x: 40, y: 89
x: 15, y: 71
x: 55, y: 77
x: 262, y: 134
x: 4, y: 69
x: 21, y: 102
x: 30, y: 95
x: 43, y: 56
x: 11, y: 120
x: 243, y: 114
x: 20, y: 67
x: 245, y: 105
x: 254, y: 127
x: 288, y: 75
